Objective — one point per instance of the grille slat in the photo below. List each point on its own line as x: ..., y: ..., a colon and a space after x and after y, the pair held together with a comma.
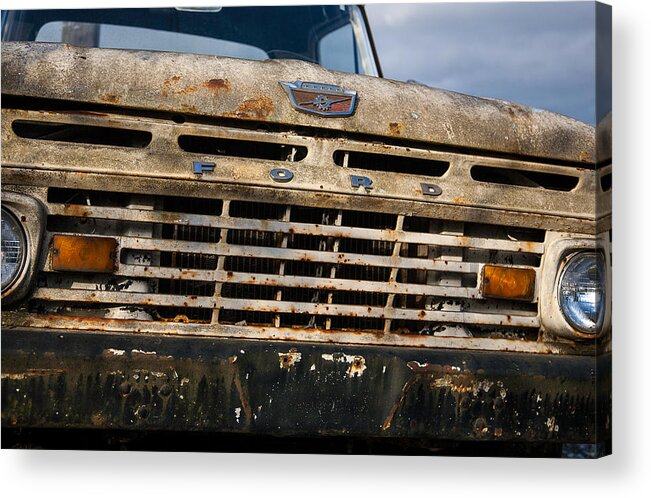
x: 265, y: 225
x: 383, y: 313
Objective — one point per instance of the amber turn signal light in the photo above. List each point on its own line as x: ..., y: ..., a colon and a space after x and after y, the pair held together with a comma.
x: 85, y: 254
x: 502, y: 282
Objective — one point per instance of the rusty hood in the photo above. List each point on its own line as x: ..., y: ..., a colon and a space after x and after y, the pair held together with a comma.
x: 251, y: 90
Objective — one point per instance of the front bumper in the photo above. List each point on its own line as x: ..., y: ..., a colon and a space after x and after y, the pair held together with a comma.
x: 82, y: 380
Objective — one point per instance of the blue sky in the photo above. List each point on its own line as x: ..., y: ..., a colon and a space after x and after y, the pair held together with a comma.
x: 539, y: 54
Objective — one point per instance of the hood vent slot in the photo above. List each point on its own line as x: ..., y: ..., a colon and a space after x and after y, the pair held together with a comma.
x: 523, y: 178
x: 81, y: 134
x: 242, y: 148
x: 391, y: 163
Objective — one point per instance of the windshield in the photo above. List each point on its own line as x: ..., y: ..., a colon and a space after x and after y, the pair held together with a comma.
x: 330, y: 35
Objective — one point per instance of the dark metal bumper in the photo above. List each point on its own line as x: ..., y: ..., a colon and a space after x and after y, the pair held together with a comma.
x: 64, y: 380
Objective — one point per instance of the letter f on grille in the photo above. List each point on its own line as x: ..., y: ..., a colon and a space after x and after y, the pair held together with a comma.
x: 201, y: 167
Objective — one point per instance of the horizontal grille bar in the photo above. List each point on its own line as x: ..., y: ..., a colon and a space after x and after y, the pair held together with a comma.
x: 139, y: 215
x: 131, y: 298
x: 296, y: 281
x: 368, y: 311
x: 137, y: 299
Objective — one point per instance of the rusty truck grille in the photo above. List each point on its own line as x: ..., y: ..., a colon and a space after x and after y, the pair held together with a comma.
x: 253, y: 265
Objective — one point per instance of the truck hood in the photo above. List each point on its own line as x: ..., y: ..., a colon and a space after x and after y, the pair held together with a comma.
x: 249, y: 90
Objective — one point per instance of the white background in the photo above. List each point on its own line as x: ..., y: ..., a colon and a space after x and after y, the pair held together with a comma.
x: 625, y: 474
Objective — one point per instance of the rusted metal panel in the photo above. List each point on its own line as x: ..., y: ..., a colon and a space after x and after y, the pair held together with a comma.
x: 19, y: 176
x: 182, y: 83
x: 317, y: 172
x: 18, y: 319
x: 293, y: 228
x: 89, y: 380
x: 376, y: 312
x: 298, y: 282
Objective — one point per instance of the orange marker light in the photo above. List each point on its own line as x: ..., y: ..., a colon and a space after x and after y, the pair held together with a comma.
x: 85, y: 254
x: 502, y: 282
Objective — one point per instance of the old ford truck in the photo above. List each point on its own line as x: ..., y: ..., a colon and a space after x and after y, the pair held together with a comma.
x: 225, y: 222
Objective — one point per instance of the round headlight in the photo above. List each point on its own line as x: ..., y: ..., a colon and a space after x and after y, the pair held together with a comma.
x: 581, y: 292
x: 14, y: 248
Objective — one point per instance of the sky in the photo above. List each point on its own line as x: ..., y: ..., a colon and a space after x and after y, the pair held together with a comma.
x: 537, y: 54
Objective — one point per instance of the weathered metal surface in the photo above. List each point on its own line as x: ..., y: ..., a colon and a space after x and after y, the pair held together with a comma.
x: 393, y: 235
x: 89, y: 351
x: 88, y: 380
x: 67, y: 291
x: 249, y: 90
x: 139, y: 287
x: 317, y: 172
x: 19, y: 319
x: 21, y: 176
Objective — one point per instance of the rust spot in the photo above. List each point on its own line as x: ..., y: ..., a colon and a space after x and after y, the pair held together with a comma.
x: 97, y: 420
x: 217, y: 85
x: 289, y: 359
x: 168, y: 83
x: 111, y: 98
x: 395, y: 128
x: 458, y: 200
x: 584, y: 156
x: 357, y: 367
x: 76, y: 210
x: 259, y: 108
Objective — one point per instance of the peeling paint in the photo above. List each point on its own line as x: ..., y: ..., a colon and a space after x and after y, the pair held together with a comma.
x: 357, y: 367
x: 339, y: 357
x: 289, y: 359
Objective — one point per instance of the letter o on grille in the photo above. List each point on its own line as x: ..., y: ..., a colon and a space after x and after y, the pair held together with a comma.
x: 281, y: 175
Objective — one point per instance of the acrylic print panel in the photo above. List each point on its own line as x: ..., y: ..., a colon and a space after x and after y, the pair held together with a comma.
x: 319, y: 229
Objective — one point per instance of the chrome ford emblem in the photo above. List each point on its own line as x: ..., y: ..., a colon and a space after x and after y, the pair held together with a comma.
x: 321, y: 99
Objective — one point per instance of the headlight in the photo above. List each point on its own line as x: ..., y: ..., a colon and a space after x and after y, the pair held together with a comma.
x: 14, y: 249
x: 581, y: 292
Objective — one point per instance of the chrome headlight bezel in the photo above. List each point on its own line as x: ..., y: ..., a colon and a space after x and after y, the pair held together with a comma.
x: 30, y: 215
x: 570, y: 262
x: 18, y: 230
x: 559, y: 249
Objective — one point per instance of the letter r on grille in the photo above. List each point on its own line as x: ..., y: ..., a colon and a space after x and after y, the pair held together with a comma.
x: 361, y: 181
